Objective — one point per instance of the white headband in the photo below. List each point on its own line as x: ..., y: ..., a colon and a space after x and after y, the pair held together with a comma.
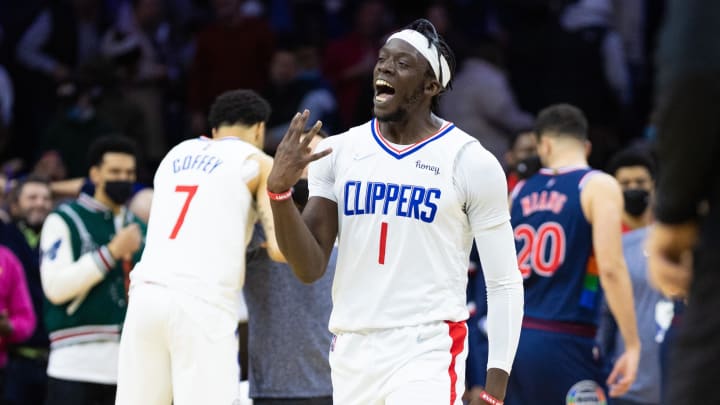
x: 428, y: 50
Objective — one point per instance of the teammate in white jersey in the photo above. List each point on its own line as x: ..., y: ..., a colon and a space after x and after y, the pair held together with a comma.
x: 405, y: 194
x: 178, y: 343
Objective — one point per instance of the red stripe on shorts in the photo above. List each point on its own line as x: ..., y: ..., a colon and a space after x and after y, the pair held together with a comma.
x: 458, y: 331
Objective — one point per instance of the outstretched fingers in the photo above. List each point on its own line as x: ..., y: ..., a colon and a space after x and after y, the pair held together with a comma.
x: 315, y: 156
x: 305, y: 142
x: 297, y: 126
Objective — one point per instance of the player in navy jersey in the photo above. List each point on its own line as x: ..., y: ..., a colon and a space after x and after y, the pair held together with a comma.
x: 404, y: 194
x: 566, y: 221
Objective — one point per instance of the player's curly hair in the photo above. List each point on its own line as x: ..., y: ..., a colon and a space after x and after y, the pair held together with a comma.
x: 238, y: 107
x: 427, y: 29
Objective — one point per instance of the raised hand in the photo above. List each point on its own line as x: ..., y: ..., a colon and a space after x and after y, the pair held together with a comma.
x: 126, y: 242
x: 293, y: 154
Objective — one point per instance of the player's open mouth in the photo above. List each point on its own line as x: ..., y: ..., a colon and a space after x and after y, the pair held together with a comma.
x: 383, y: 91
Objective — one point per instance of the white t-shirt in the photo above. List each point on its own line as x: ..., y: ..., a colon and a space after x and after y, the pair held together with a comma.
x: 201, y: 220
x: 407, y: 215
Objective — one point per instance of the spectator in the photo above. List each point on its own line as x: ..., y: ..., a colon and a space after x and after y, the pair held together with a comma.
x: 140, y: 204
x: 682, y: 246
x: 146, y: 24
x: 17, y: 319
x: 288, y: 338
x: 319, y: 98
x: 76, y: 123
x: 221, y: 62
x: 89, y: 245
x: 349, y: 61
x: 30, y: 203
x: 64, y: 35
x: 521, y: 160
x: 635, y: 171
x: 585, y: 66
x: 482, y: 101
x: 292, y: 89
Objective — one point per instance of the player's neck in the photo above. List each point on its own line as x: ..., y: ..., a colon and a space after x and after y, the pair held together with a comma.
x: 246, y: 134
x: 409, y: 131
x: 567, y: 160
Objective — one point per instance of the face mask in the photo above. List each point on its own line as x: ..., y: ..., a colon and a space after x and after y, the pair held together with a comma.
x: 636, y: 201
x: 528, y: 167
x: 300, y: 193
x: 119, y: 191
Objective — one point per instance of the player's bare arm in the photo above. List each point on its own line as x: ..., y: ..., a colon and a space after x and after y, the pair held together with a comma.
x: 602, y: 204
x: 307, y: 240
x: 258, y: 186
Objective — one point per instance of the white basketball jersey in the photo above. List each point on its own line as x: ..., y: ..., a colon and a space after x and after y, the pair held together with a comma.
x: 201, y: 220
x: 404, y: 231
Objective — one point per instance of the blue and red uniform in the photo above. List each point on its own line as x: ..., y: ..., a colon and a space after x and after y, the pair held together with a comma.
x: 556, y: 362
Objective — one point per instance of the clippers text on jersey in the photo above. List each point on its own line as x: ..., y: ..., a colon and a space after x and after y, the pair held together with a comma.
x: 403, y: 200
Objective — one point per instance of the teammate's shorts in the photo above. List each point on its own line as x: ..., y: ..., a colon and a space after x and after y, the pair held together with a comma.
x: 419, y: 365
x: 176, y: 348
x: 554, y: 368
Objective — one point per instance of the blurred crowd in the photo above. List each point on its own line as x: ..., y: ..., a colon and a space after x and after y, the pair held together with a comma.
x: 74, y: 71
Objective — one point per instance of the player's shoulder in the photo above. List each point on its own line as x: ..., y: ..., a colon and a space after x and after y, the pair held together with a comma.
x: 599, y: 183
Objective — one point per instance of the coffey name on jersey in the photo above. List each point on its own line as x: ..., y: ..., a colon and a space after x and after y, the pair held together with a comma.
x: 200, y: 220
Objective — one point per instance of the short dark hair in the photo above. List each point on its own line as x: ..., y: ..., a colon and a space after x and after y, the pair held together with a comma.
x: 14, y: 195
x: 562, y: 119
x: 427, y: 29
x: 632, y: 156
x: 238, y: 107
x: 515, y: 137
x: 109, y: 144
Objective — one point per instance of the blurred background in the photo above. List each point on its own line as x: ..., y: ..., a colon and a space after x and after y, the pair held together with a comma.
x: 73, y: 70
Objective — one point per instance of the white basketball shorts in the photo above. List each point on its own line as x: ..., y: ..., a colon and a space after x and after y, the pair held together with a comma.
x: 420, y: 365
x: 176, y: 348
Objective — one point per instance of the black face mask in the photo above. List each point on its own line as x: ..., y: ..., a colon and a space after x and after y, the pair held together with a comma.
x: 528, y: 167
x: 300, y: 193
x: 636, y: 201
x: 119, y: 191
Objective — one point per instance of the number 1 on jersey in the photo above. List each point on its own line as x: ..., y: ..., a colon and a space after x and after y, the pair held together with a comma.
x: 191, y: 190
x: 383, y: 240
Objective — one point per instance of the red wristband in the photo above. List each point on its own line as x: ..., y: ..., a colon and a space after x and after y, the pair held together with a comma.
x: 489, y: 398
x: 280, y: 196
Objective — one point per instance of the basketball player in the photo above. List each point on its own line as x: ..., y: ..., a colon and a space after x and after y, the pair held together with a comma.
x: 405, y: 193
x: 178, y: 343
x: 566, y: 221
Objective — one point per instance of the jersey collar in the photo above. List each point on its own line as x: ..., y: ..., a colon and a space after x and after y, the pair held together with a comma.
x: 399, y: 152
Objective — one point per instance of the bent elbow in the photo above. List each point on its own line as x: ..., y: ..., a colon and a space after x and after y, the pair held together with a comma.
x: 276, y: 255
x: 308, y: 277
x: 55, y: 296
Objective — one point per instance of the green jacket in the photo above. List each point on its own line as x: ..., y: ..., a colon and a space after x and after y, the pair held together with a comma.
x: 99, y: 314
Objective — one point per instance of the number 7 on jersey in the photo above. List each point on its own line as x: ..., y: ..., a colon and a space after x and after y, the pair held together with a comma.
x: 190, y: 190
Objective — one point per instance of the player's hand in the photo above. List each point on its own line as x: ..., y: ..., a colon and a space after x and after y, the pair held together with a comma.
x: 623, y: 373
x: 669, y: 250
x: 126, y: 242
x: 293, y: 154
x: 472, y: 396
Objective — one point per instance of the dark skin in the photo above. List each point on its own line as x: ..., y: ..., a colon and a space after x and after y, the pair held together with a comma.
x: 307, y: 239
